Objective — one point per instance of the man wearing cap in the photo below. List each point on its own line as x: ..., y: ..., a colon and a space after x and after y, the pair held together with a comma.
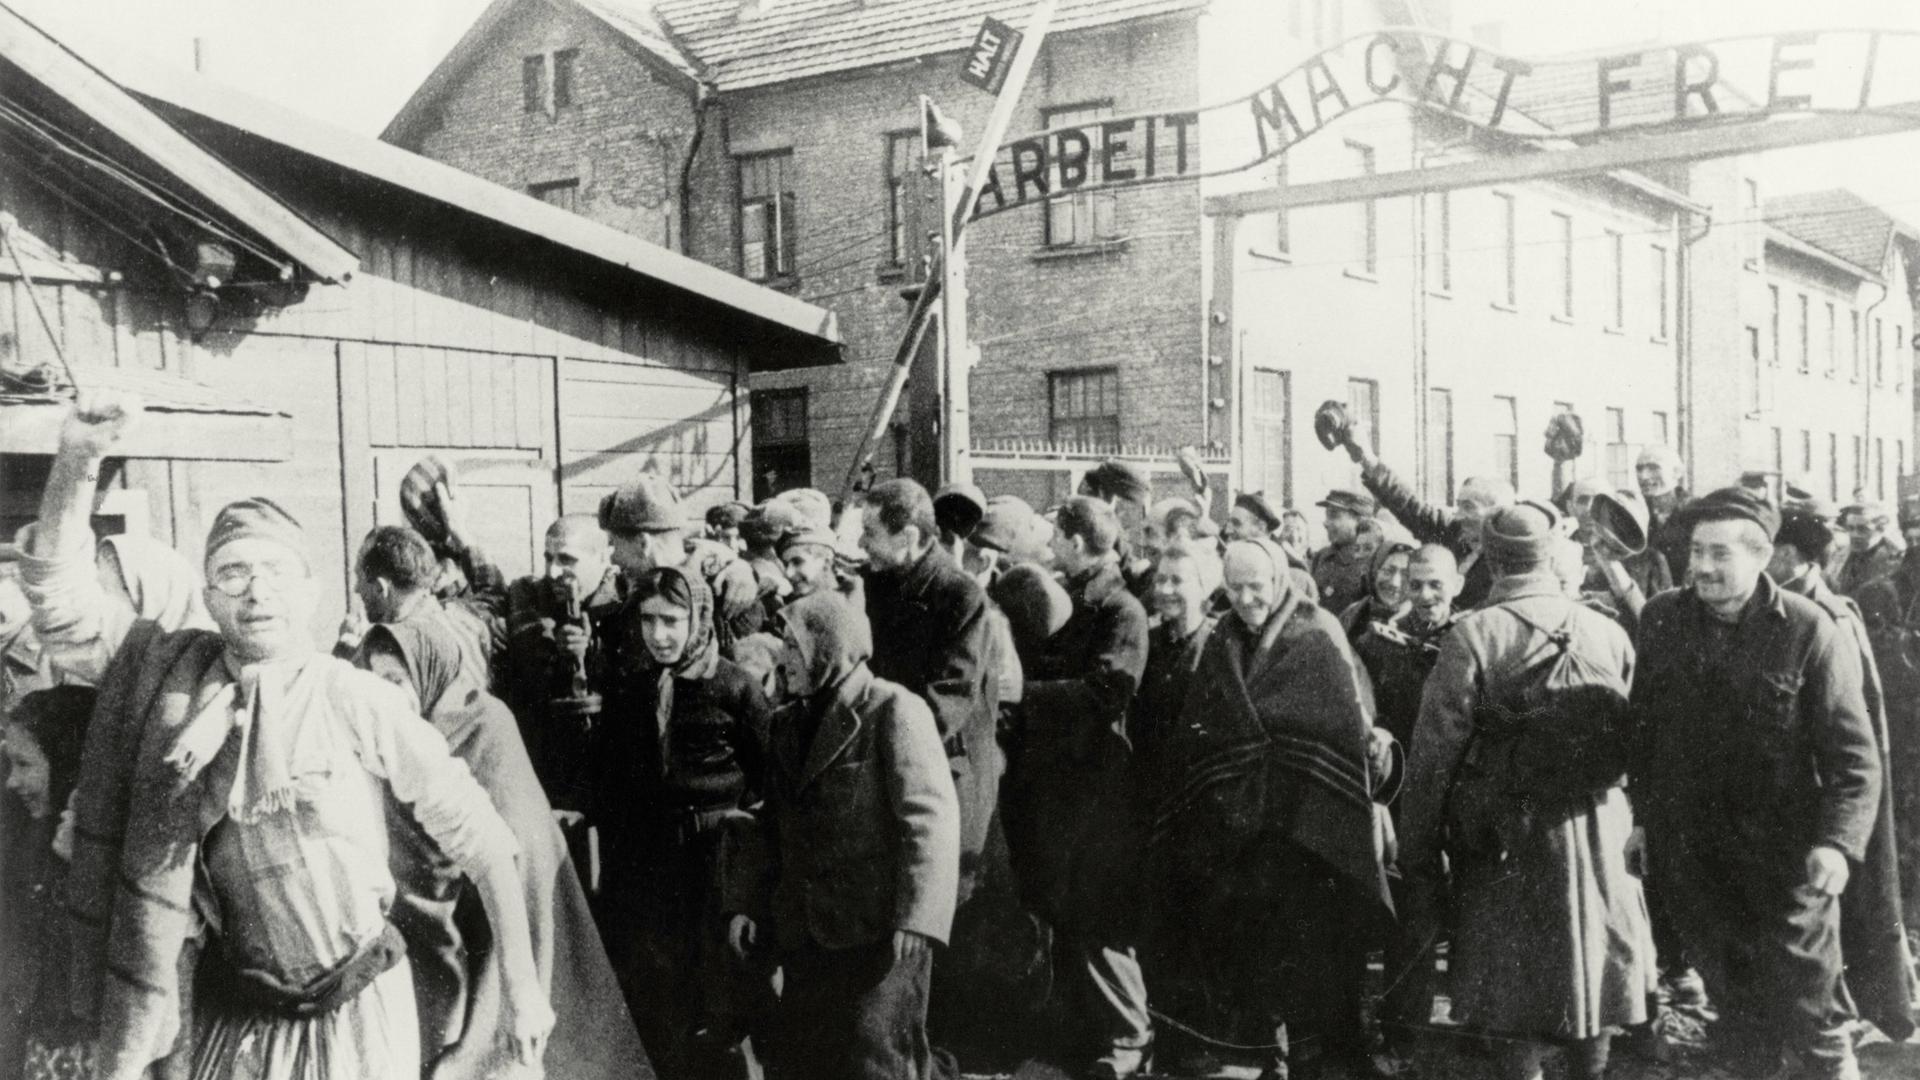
x: 228, y: 758
x: 1516, y: 776
x: 723, y: 523
x: 1341, y: 569
x: 1874, y: 550
x: 648, y: 528
x: 1758, y: 781
x: 1066, y: 800
x: 1458, y: 528
x: 1873, y: 929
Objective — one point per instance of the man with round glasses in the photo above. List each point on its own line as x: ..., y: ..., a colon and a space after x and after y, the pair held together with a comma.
x: 233, y: 810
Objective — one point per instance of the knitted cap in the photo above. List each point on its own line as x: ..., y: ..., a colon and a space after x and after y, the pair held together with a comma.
x: 647, y: 504
x: 810, y: 507
x: 1114, y: 479
x: 1803, y: 529
x: 1735, y: 504
x: 258, y: 518
x: 1008, y: 521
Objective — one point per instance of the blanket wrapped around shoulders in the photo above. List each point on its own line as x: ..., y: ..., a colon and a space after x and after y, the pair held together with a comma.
x: 130, y: 889
x: 1272, y: 744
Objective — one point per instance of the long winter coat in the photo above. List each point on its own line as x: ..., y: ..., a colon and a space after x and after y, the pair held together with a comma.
x: 1551, y: 935
x: 1066, y: 799
x: 1891, y: 608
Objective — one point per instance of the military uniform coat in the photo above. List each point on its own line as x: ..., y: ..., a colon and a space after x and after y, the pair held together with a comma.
x: 1551, y: 936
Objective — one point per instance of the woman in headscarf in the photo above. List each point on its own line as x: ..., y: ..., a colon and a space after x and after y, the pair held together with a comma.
x: 1272, y: 808
x: 1386, y: 590
x: 40, y: 748
x: 456, y: 975
x: 683, y: 763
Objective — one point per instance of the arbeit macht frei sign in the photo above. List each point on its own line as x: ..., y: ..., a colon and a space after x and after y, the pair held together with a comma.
x: 1664, y: 88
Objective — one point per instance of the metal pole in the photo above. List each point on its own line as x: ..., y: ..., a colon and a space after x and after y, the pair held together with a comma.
x: 958, y: 211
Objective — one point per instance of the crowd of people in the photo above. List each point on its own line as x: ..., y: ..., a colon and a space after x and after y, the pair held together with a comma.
x: 819, y: 790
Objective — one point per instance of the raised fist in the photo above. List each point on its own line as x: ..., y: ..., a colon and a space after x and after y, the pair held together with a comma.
x: 99, y: 419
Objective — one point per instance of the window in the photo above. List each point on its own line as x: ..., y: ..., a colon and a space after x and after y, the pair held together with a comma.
x: 1853, y: 318
x: 1619, y: 454
x: 767, y: 227
x: 1506, y: 439
x: 1617, y: 300
x: 1833, y: 466
x: 564, y: 194
x: 1440, y: 242
x: 1563, y: 264
x: 1269, y: 465
x: 1879, y: 468
x: 1800, y: 358
x: 1879, y: 351
x: 1282, y: 227
x: 781, y: 455
x: 1778, y: 453
x: 1806, y: 452
x: 533, y: 84
x: 1829, y: 355
x: 1660, y: 293
x: 1363, y: 408
x: 1316, y: 22
x: 1759, y: 375
x: 1506, y: 292
x: 1773, y: 325
x: 1858, y: 463
x: 1756, y: 238
x: 1080, y: 217
x: 1662, y: 431
x: 1902, y: 355
x: 1365, y: 257
x: 1085, y: 407
x: 1440, y: 445
x: 563, y: 77
x: 904, y: 201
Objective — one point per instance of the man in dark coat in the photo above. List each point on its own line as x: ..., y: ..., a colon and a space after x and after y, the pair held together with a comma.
x: 1891, y: 609
x: 1658, y: 471
x: 1066, y: 796
x: 1458, y: 528
x: 1400, y: 652
x: 1873, y: 932
x: 1874, y: 549
x: 1758, y: 778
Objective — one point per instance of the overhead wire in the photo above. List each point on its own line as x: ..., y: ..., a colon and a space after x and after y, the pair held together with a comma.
x: 81, y: 151
x: 66, y: 197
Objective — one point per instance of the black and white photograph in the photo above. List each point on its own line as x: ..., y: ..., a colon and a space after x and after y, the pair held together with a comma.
x: 959, y: 540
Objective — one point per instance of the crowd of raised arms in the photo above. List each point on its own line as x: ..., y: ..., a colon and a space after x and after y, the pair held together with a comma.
x: 880, y: 789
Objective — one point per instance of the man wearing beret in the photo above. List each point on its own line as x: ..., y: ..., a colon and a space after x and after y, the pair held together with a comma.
x: 1342, y: 568
x: 1758, y: 779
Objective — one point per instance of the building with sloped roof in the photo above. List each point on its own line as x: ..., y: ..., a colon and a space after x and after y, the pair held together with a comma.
x: 306, y: 313
x: 778, y: 139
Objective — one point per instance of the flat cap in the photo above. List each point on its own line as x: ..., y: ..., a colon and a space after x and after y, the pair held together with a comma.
x: 1358, y: 503
x: 1255, y: 503
x: 1115, y: 479
x: 958, y: 508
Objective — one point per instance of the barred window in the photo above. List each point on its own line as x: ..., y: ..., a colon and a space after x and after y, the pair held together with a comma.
x: 767, y: 226
x: 1084, y: 406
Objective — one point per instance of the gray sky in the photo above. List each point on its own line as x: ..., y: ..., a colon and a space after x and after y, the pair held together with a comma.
x: 353, y: 62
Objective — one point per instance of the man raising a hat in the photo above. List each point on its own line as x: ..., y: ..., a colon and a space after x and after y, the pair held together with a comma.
x: 1758, y: 781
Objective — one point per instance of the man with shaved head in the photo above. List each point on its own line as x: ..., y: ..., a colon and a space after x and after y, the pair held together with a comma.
x: 1658, y: 472
x: 1456, y: 528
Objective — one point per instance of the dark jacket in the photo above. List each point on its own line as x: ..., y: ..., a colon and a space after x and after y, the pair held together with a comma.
x: 530, y: 669
x: 1430, y: 524
x: 1399, y: 654
x: 1872, y: 931
x: 1864, y: 568
x: 1671, y: 535
x: 1343, y: 576
x: 863, y: 825
x: 930, y: 635
x: 1065, y: 794
x: 1754, y: 739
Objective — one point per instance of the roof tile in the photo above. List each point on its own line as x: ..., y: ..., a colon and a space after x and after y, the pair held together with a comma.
x: 1838, y: 222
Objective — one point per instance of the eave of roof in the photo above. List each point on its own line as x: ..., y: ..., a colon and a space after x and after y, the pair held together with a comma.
x: 452, y: 187
x: 1786, y: 241
x: 86, y: 88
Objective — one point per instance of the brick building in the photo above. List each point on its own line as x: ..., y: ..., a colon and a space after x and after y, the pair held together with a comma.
x: 779, y: 140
